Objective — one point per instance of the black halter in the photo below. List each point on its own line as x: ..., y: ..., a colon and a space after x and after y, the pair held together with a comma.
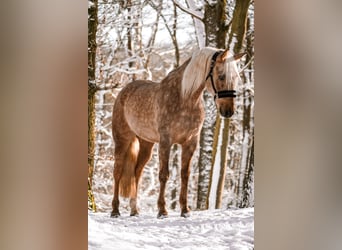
x: 222, y: 93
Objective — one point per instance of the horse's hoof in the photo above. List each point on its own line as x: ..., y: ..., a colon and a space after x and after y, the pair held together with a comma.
x: 162, y: 215
x: 136, y: 214
x: 185, y: 215
x: 115, y: 215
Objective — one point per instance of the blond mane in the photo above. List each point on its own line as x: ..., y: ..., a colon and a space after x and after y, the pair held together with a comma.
x: 196, y: 71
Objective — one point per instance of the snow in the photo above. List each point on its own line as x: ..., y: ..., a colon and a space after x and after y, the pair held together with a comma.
x: 210, y: 229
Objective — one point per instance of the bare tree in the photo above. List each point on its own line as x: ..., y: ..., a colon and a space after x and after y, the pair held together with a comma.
x: 171, y: 30
x: 243, y: 167
x: 92, y: 28
x: 245, y: 191
x: 219, y: 32
x: 216, y: 26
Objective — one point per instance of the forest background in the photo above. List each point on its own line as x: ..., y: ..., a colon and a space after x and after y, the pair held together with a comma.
x: 136, y: 39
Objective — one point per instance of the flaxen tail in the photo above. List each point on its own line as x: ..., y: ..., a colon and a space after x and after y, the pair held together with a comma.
x: 127, y: 184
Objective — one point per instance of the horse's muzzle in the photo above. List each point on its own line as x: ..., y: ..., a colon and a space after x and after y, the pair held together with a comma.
x: 226, y: 113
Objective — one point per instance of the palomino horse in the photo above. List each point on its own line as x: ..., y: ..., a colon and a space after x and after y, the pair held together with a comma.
x: 169, y: 112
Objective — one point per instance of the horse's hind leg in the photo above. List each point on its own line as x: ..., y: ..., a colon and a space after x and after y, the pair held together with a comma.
x: 121, y: 148
x: 188, y: 150
x: 145, y: 153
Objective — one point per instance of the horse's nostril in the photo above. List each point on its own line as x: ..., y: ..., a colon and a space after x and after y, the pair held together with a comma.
x: 226, y: 113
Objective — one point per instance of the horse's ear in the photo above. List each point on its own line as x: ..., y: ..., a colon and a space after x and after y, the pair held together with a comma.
x: 224, y: 55
x: 239, y: 55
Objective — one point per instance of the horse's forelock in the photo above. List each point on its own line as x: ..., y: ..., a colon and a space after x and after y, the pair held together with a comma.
x: 231, y: 71
x: 196, y: 71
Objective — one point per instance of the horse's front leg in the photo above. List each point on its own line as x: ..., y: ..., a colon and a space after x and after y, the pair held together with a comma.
x: 164, y: 154
x: 188, y: 149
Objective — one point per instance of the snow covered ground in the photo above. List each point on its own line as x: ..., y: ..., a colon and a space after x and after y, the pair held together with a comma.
x: 210, y: 229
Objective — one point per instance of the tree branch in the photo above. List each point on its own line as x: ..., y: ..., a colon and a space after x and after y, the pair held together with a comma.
x: 247, y: 64
x: 194, y: 13
x: 108, y: 87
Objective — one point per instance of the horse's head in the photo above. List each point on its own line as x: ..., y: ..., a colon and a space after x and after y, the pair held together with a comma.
x: 222, y: 79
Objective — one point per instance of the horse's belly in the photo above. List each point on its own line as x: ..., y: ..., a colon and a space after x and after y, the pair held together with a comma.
x: 147, y: 134
x: 144, y: 127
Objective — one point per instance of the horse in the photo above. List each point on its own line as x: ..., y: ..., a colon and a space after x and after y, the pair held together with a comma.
x: 169, y: 112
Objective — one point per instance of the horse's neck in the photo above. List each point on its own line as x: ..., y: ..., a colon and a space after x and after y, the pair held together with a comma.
x: 197, y: 95
x: 173, y: 83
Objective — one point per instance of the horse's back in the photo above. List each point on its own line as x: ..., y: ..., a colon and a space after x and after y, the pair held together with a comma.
x: 136, y: 109
x: 132, y: 87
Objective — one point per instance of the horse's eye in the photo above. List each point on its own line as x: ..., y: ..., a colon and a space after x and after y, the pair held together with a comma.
x: 222, y: 77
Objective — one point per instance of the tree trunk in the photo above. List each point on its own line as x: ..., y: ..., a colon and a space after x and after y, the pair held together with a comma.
x: 245, y: 190
x: 238, y: 28
x: 216, y: 32
x: 236, y: 43
x: 205, y: 152
x: 130, y: 37
x: 248, y: 188
x: 218, y: 170
x: 198, y: 24
x: 152, y: 39
x: 238, y: 31
x: 174, y: 35
x: 215, y: 24
x: 92, y: 28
